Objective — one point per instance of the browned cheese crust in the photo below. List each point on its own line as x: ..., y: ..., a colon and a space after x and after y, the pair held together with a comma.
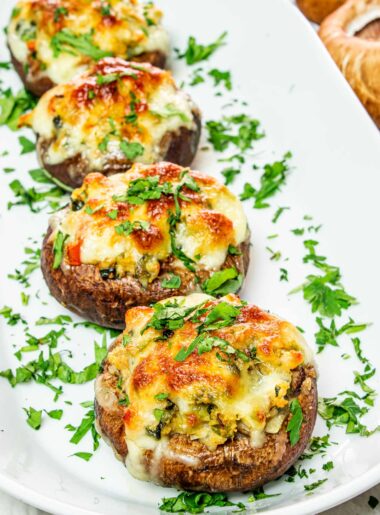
x: 119, y: 29
x: 187, y: 463
x: 111, y: 90
x: 234, y: 466
x: 101, y: 220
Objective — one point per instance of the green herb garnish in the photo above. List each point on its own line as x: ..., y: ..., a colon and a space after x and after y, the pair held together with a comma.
x: 58, y: 12
x: 67, y: 42
x: 58, y: 247
x: 295, y: 423
x: 223, y: 282
x: 26, y: 145
x: 221, y: 77
x: 174, y: 281
x: 13, y: 106
x: 196, y: 502
x: 131, y: 150
x: 34, y: 417
x: 196, y: 52
x: 271, y: 181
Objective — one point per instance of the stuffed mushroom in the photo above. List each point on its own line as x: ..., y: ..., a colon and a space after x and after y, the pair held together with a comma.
x: 207, y: 394
x: 138, y: 237
x: 115, y: 114
x: 52, y: 41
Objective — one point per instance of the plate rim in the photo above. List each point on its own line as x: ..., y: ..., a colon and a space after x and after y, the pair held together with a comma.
x: 308, y: 505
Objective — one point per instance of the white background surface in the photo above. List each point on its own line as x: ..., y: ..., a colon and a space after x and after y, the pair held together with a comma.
x: 306, y: 107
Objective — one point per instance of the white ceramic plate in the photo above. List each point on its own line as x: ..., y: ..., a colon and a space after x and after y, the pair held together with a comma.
x: 281, y: 69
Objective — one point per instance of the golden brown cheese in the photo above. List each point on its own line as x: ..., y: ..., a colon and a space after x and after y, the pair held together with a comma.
x: 109, y: 231
x: 117, y: 111
x: 212, y: 395
x: 59, y: 38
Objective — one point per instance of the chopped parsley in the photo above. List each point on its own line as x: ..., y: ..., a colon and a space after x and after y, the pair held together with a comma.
x: 222, y: 282
x: 42, y: 176
x: 317, y: 446
x: 233, y: 251
x: 229, y: 175
x: 58, y: 247
x: 295, y: 423
x: 125, y: 401
x: 56, y: 414
x: 344, y: 410
x: 11, y: 317
x: 105, y: 9
x: 324, y: 292
x: 196, y: 502
x: 329, y: 335
x: 34, y: 417
x: 30, y: 197
x: 221, y: 77
x: 278, y: 213
x: 271, y: 181
x: 315, y: 485
x: 31, y: 264
x: 283, y: 274
x: 174, y: 281
x: 26, y: 145
x: 112, y: 77
x: 131, y: 150
x: 196, y: 77
x: 222, y: 314
x: 65, y: 41
x: 239, y: 131
x: 12, y: 106
x: 126, y: 228
x: 196, y: 52
x: 169, y: 316
x: 161, y: 396
x: 329, y: 465
x: 59, y: 12
x: 86, y: 425
x: 259, y: 494
x: 86, y: 456
x: 170, y: 111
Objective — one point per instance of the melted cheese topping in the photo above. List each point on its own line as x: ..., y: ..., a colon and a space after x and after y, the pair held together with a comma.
x: 211, y: 396
x: 121, y: 28
x: 212, y: 218
x: 101, y: 113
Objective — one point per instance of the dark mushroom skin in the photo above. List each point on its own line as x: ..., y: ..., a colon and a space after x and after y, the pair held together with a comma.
x: 181, y: 147
x: 38, y: 84
x: 82, y: 289
x: 85, y: 289
x: 132, y: 31
x: 187, y: 463
x: 92, y: 123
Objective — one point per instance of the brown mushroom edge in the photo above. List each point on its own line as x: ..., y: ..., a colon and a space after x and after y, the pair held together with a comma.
x: 233, y: 466
x: 180, y: 148
x: 82, y: 290
x: 39, y: 84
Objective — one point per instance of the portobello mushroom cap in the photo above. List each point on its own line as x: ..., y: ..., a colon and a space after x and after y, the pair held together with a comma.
x: 112, y: 116
x: 180, y: 458
x: 51, y: 42
x: 83, y: 283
